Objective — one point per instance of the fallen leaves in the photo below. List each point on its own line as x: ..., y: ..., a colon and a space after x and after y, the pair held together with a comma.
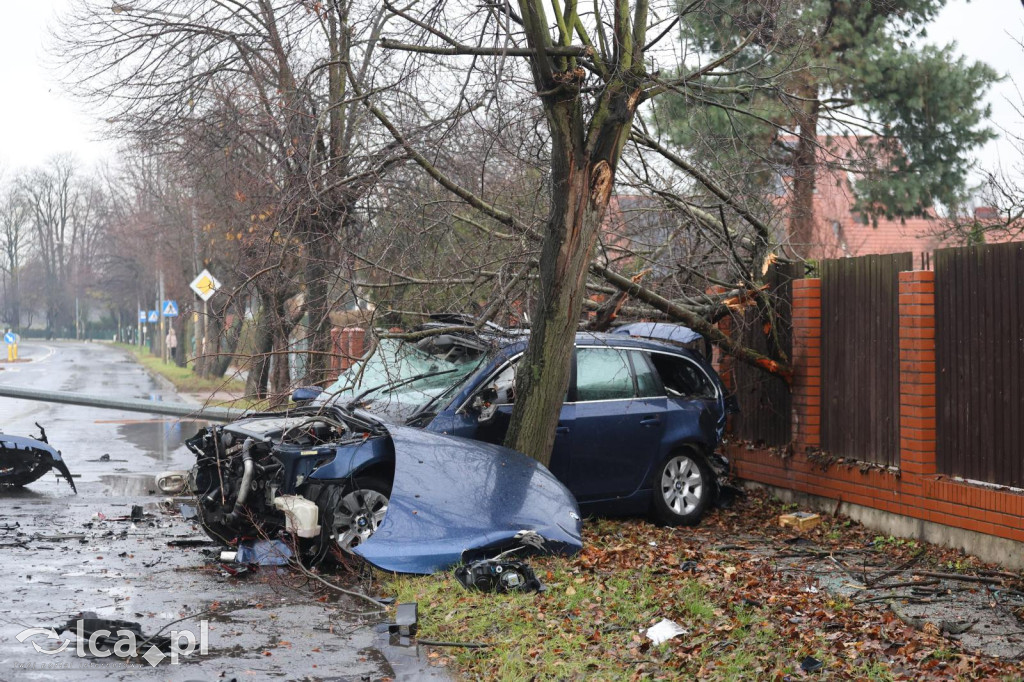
x: 722, y: 582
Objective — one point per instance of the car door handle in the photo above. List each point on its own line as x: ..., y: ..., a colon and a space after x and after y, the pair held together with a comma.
x: 650, y: 421
x: 561, y: 430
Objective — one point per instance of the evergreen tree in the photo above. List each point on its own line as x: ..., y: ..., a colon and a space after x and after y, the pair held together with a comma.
x: 847, y: 68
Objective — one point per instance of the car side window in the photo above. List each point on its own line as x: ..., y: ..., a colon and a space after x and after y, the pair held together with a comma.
x: 648, y: 385
x: 682, y: 377
x: 603, y: 374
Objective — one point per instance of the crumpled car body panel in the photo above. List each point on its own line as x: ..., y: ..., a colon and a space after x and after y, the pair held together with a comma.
x: 24, y: 460
x: 454, y: 499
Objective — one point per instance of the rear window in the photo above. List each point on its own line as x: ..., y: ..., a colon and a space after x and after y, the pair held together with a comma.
x: 682, y: 377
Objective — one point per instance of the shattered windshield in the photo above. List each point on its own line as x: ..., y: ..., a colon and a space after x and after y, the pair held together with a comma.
x: 402, y: 378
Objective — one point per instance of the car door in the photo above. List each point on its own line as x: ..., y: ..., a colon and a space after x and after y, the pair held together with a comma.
x: 468, y: 424
x: 695, y: 406
x: 618, y: 424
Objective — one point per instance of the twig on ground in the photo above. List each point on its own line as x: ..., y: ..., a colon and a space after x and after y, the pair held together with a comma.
x: 895, y: 571
x: 962, y: 578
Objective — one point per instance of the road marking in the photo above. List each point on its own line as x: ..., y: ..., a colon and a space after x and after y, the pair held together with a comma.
x: 135, y: 421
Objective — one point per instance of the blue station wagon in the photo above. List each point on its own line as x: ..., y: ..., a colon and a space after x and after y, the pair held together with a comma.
x: 637, y: 432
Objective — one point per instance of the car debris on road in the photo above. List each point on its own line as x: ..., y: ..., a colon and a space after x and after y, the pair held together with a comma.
x: 24, y: 460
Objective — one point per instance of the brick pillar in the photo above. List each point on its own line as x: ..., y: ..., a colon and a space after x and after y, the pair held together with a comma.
x: 917, y: 372
x: 807, y: 363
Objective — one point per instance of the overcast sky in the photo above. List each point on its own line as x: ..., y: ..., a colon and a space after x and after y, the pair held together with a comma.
x: 39, y: 119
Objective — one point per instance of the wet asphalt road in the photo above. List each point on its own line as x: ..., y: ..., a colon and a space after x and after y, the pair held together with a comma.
x: 261, y: 629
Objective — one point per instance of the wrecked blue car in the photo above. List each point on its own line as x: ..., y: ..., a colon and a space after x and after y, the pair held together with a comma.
x: 24, y: 460
x: 637, y: 433
x: 338, y: 480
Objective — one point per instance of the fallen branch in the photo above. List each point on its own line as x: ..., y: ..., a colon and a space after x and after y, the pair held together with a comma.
x: 911, y: 583
x: 466, y: 645
x: 962, y: 578
x: 899, y: 569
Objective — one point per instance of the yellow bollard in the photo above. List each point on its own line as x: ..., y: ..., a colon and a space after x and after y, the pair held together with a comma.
x: 10, y: 352
x: 13, y: 350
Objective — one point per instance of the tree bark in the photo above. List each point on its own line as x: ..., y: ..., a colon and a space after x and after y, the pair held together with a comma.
x: 805, y: 167
x: 263, y: 345
x: 317, y: 303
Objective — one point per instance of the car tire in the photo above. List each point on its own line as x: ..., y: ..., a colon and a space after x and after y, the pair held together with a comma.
x: 350, y: 514
x: 683, y: 488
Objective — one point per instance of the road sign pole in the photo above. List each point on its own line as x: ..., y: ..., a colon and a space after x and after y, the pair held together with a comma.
x: 163, y: 330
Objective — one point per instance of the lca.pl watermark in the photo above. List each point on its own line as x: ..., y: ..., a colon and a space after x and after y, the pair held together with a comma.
x: 123, y: 643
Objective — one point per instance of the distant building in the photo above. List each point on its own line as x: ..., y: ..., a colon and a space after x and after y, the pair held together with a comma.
x: 840, y: 231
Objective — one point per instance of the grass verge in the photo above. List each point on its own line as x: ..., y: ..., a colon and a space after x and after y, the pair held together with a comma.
x: 746, y: 618
x: 182, y: 377
x: 588, y: 623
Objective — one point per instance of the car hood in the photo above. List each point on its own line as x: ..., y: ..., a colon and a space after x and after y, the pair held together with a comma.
x: 453, y: 500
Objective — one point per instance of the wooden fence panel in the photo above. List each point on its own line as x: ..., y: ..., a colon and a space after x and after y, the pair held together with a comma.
x: 765, y: 406
x: 860, y: 357
x: 979, y: 344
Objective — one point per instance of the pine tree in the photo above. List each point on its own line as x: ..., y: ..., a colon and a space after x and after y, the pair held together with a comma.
x: 847, y: 68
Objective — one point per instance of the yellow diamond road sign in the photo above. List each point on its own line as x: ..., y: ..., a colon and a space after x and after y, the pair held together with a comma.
x: 205, y: 285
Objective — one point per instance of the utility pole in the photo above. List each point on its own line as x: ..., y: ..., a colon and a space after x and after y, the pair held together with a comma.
x: 162, y: 319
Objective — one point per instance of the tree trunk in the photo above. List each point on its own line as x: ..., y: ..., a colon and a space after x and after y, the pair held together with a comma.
x: 280, y: 376
x: 580, y: 192
x: 263, y: 346
x: 802, y: 236
x: 317, y: 304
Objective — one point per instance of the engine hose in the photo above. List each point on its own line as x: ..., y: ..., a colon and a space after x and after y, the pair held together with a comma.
x: 247, y: 468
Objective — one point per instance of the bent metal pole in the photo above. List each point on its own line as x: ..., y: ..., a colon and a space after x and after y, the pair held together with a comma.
x: 213, y: 414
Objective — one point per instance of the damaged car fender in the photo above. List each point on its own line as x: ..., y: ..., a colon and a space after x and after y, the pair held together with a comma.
x: 24, y: 460
x: 454, y: 500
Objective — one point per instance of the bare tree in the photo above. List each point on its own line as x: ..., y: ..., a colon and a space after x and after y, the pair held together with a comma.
x: 14, y: 237
x: 176, y: 71
x: 590, y: 68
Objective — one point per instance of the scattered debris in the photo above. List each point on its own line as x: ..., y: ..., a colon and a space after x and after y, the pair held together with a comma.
x: 192, y: 542
x: 811, y: 665
x: 665, y: 630
x: 799, y: 520
x: 105, y: 458
x: 406, y: 619
x: 497, y: 575
x: 88, y: 627
x: 172, y: 482
x: 262, y: 553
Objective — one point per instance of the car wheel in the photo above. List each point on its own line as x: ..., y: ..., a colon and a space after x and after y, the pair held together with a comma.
x: 683, y: 488
x: 350, y: 515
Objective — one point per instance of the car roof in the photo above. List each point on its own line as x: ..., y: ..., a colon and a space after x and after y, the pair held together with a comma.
x: 512, y: 337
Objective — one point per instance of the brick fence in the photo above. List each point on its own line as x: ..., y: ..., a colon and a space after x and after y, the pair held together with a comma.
x: 915, y: 489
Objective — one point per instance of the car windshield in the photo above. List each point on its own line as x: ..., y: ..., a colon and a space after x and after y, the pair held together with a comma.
x: 402, y: 378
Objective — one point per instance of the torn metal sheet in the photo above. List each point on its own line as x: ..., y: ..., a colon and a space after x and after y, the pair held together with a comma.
x: 454, y: 500
x: 24, y: 460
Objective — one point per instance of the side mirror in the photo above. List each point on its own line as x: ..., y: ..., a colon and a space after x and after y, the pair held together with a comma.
x: 484, y: 405
x: 303, y: 394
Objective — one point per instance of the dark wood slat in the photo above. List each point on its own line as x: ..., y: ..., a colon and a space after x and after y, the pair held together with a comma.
x: 860, y: 357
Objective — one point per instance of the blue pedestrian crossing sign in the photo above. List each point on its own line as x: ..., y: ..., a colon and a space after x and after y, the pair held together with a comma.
x: 170, y: 309
x: 153, y: 317
x: 142, y: 316
x: 10, y: 338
